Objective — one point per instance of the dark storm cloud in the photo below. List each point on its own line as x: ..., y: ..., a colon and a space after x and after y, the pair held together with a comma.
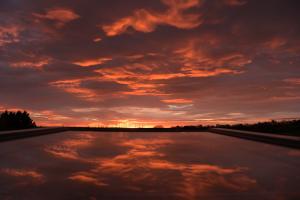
x: 188, y: 61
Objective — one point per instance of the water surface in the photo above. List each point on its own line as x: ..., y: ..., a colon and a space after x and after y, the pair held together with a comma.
x: 98, y: 165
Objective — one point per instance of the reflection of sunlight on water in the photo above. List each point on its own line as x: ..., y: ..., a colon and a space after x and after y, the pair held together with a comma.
x: 144, y: 163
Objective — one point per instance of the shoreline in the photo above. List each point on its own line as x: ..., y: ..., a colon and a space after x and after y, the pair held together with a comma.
x: 269, y: 138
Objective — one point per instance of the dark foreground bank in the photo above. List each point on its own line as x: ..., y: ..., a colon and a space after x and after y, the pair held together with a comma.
x: 26, y: 133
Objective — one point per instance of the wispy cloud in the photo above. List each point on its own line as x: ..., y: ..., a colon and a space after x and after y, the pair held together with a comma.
x: 146, y: 21
x: 60, y: 15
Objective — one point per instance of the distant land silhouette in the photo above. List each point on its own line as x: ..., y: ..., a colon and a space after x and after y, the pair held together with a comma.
x: 16, y: 120
x: 21, y: 120
x: 289, y: 127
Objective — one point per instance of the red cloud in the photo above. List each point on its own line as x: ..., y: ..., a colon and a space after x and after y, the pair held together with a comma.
x: 91, y: 62
x: 60, y: 15
x: 199, y: 62
x: 146, y: 21
x: 36, y: 176
x: 177, y: 101
x: 73, y: 86
x: 9, y: 34
x: 37, y: 64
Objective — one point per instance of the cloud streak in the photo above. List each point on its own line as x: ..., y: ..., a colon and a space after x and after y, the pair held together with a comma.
x: 60, y: 15
x: 146, y: 21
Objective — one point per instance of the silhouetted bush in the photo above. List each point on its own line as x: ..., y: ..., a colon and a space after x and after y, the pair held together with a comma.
x: 16, y: 120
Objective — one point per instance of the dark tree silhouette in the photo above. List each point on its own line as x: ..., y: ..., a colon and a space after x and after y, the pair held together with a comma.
x: 291, y: 127
x: 16, y: 120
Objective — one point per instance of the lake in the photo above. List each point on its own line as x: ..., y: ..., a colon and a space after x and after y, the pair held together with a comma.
x: 103, y: 165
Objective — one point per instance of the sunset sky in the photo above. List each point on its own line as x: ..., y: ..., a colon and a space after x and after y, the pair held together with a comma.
x: 143, y: 63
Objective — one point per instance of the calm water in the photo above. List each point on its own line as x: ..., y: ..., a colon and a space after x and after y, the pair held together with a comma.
x: 91, y: 165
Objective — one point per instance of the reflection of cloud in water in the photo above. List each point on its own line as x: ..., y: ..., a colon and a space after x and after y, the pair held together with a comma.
x: 195, y: 178
x: 144, y: 165
x: 198, y: 179
x: 68, y: 149
x: 62, y: 152
x: 146, y: 143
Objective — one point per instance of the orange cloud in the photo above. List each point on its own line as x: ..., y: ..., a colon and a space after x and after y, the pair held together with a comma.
x: 125, y: 74
x: 23, y: 173
x: 165, y: 76
x: 146, y: 21
x: 49, y: 116
x: 140, y: 92
x: 138, y: 112
x: 194, y: 72
x: 38, y: 64
x: 73, y: 86
x: 136, y: 81
x: 9, y: 34
x: 142, y: 79
x: 87, y: 178
x: 193, y: 54
x: 61, y: 15
x: 97, y: 39
x: 177, y: 101
x: 92, y: 62
x: 135, y: 57
x: 197, y: 62
x: 275, y: 43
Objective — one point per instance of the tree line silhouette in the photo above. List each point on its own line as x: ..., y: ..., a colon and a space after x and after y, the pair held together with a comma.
x: 15, y: 120
x: 22, y: 120
x: 291, y: 127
